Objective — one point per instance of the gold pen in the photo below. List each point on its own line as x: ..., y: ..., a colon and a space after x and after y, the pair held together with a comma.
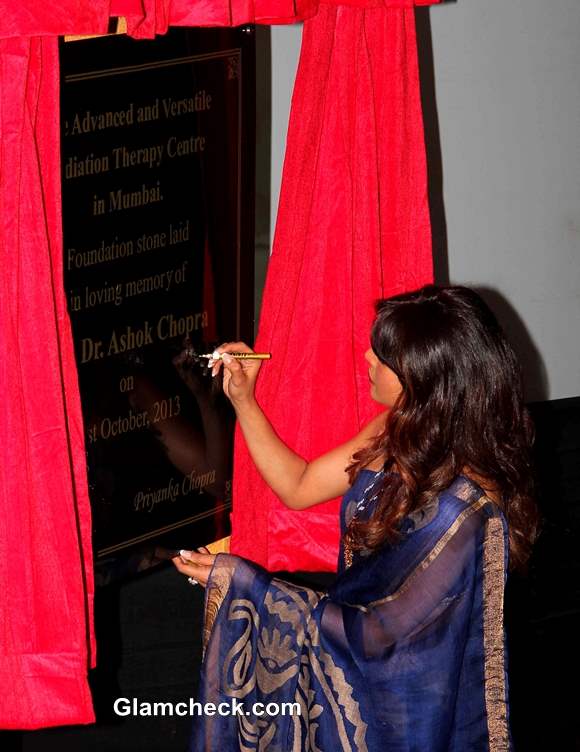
x: 238, y: 356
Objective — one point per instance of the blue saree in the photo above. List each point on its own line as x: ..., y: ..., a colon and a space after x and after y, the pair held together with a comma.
x: 404, y: 653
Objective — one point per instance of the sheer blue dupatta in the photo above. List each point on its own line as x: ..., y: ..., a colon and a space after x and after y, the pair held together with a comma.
x: 405, y: 651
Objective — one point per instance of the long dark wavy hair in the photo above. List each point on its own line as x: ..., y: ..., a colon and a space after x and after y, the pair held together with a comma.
x: 461, y: 406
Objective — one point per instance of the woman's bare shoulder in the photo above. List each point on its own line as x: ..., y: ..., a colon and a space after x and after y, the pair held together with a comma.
x: 370, y: 431
x: 374, y: 427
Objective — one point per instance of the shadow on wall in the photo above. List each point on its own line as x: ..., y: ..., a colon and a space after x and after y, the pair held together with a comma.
x: 534, y: 371
x: 432, y: 146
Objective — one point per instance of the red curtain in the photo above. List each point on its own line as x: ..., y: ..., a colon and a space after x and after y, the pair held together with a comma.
x: 353, y: 226
x: 45, y: 536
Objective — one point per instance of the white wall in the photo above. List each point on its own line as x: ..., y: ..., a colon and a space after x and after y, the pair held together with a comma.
x: 286, y: 42
x: 507, y: 80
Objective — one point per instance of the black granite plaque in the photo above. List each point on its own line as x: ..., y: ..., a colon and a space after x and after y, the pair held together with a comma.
x: 158, y: 214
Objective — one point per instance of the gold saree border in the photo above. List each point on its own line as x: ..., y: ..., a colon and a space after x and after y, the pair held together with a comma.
x: 217, y: 588
x: 433, y: 554
x: 493, y: 635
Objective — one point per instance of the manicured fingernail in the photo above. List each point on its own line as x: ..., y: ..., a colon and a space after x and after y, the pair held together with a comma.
x: 215, y: 355
x: 185, y: 554
x: 227, y: 358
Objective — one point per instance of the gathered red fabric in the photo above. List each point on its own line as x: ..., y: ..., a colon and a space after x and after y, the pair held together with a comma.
x: 353, y: 226
x: 148, y: 17
x: 46, y: 640
x: 29, y: 18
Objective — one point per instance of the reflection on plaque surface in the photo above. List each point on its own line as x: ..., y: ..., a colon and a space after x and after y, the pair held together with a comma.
x: 157, y: 174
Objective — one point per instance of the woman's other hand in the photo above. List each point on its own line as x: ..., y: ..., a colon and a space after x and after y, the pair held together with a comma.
x: 195, y: 564
x: 239, y: 375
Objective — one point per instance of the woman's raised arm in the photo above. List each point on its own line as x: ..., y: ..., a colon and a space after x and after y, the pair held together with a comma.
x: 299, y: 484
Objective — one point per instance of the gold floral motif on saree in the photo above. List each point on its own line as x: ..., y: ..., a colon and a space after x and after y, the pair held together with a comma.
x: 277, y: 662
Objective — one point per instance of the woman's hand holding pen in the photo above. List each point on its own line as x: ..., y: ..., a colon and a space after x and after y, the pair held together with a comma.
x: 239, y: 376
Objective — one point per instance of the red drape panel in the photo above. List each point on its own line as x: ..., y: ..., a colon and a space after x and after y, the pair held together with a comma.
x: 29, y: 18
x: 45, y: 551
x: 148, y: 17
x: 353, y: 225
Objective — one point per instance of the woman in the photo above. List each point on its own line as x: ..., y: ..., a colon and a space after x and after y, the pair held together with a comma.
x: 406, y: 649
